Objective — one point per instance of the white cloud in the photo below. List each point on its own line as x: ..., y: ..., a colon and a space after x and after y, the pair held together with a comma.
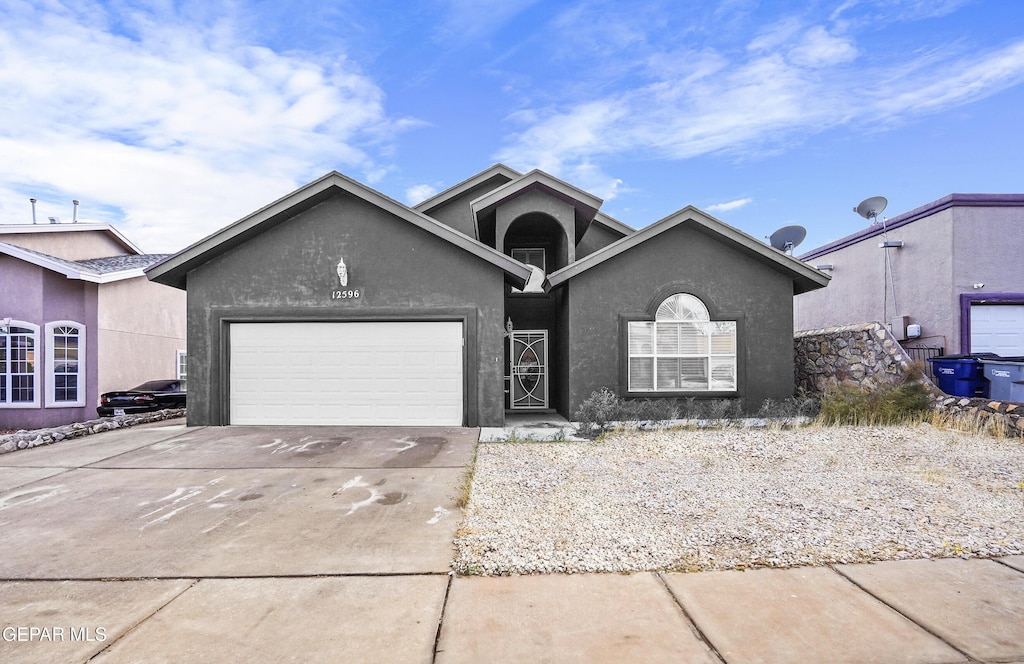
x: 731, y: 205
x: 180, y: 128
x: 468, y: 21
x: 790, y: 82
x: 419, y: 193
x: 818, y: 48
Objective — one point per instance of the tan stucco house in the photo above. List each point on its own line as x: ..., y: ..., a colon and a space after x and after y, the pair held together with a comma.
x: 78, y: 318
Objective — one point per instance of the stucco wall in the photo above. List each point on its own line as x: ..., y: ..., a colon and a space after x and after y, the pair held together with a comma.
x: 30, y: 293
x: 457, y: 213
x: 288, y: 273
x: 922, y: 273
x: 531, y: 203
x: 986, y: 248
x: 141, y: 328
x: 596, y: 237
x: 682, y: 259
x: 71, y: 245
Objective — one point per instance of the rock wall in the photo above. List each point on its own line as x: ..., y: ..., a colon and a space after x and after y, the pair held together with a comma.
x: 21, y: 440
x: 869, y: 355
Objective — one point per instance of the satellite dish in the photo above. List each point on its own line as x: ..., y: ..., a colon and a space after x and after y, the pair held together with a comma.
x: 788, y: 237
x: 871, y: 207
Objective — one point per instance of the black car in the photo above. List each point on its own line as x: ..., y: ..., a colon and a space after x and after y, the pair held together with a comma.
x: 153, y: 395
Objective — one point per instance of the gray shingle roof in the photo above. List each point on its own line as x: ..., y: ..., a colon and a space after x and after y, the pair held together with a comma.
x: 121, y: 263
x: 98, y: 266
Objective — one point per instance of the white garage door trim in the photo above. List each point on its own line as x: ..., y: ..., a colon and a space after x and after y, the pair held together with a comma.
x: 997, y: 328
x: 383, y: 373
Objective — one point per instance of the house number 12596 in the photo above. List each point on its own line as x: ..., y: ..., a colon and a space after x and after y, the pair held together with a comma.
x: 345, y: 294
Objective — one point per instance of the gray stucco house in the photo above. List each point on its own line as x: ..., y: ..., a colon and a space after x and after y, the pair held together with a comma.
x: 508, y: 291
x: 949, y: 277
x: 78, y: 318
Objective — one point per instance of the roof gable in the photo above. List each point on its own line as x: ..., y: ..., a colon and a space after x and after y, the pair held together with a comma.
x: 93, y: 270
x: 39, y: 233
x: 613, y: 223
x: 586, y: 204
x: 173, y: 271
x: 805, y: 277
x: 498, y: 172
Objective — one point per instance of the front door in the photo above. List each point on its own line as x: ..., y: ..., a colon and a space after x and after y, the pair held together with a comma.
x: 529, y: 369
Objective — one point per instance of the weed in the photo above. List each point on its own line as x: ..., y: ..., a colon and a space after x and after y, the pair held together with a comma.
x: 850, y: 403
x: 975, y: 424
x: 465, y: 487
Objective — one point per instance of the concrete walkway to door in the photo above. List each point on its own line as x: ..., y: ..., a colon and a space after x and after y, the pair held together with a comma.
x: 162, y: 543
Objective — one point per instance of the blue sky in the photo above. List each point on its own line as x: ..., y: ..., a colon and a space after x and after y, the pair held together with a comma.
x: 173, y: 119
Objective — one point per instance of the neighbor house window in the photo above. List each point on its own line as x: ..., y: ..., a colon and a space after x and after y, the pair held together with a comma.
x: 536, y: 259
x: 182, y: 368
x: 65, y: 364
x: 19, y: 377
x: 682, y: 350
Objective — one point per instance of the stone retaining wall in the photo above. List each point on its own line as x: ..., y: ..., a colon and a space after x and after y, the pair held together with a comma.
x: 869, y: 355
x: 21, y: 440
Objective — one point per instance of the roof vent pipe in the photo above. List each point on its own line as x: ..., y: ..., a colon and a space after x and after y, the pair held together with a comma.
x: 74, y: 218
x: 33, y: 202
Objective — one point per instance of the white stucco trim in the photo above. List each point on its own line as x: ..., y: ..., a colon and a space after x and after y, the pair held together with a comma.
x: 4, y: 403
x: 54, y: 264
x: 51, y: 396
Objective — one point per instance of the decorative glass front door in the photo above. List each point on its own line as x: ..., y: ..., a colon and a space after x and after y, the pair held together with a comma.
x: 529, y: 369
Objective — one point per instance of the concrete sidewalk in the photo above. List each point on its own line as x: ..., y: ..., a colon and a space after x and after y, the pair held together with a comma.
x: 167, y: 544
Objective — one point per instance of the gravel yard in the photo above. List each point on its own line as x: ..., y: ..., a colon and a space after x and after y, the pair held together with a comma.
x: 739, y: 498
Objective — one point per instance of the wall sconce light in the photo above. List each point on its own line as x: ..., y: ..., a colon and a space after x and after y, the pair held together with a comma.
x: 891, y: 244
x: 509, y: 328
x: 979, y: 285
x: 824, y: 268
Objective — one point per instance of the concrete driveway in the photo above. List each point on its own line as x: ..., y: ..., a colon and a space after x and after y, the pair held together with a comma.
x: 164, y: 543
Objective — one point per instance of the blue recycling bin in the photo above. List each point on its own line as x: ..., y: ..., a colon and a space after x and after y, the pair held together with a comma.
x: 1006, y: 378
x: 961, y: 375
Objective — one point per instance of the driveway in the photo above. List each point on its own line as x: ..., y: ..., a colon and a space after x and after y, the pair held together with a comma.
x: 166, y: 544
x: 255, y: 539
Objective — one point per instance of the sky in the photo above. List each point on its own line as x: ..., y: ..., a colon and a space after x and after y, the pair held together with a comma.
x: 172, y: 119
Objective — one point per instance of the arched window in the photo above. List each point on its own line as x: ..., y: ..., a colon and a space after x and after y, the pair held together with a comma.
x: 65, y: 364
x: 682, y: 350
x: 19, y: 370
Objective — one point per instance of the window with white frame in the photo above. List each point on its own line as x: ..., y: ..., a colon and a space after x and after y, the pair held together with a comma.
x: 536, y: 259
x: 19, y: 371
x: 682, y: 350
x: 65, y: 364
x: 182, y: 364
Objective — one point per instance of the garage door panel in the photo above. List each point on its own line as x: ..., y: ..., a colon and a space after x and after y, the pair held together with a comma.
x: 347, y: 373
x: 997, y: 329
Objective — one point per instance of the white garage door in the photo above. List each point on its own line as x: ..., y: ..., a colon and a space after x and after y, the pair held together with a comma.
x: 997, y: 328
x: 346, y: 373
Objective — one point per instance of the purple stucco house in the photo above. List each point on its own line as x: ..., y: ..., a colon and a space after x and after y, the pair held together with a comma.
x: 947, y: 275
x: 78, y: 318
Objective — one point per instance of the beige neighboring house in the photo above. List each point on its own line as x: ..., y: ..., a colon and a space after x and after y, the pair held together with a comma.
x: 78, y: 317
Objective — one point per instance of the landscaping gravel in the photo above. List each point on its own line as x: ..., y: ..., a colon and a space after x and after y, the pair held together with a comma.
x: 739, y: 498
